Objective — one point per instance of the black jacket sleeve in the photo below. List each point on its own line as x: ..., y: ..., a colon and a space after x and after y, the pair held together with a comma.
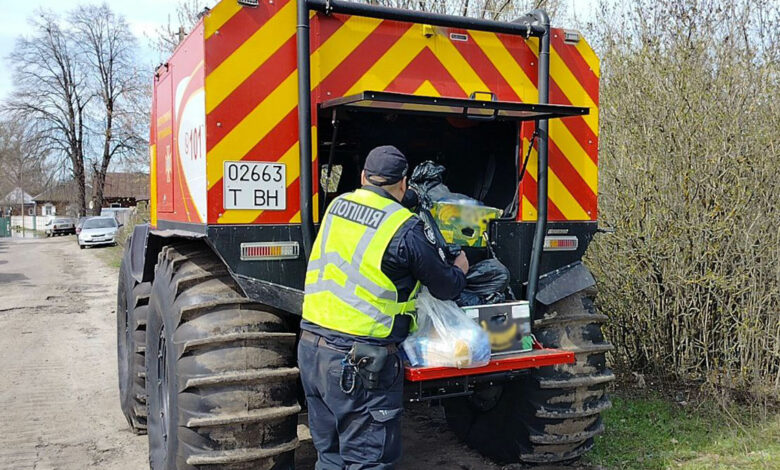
x: 443, y: 280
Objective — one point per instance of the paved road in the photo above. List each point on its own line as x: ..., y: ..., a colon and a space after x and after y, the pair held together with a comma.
x: 59, y: 406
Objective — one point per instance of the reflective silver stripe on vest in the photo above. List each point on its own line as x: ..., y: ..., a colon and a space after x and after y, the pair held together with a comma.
x: 352, y: 269
x: 348, y: 296
x: 353, y: 274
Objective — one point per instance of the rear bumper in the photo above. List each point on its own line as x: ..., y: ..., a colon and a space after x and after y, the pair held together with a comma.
x: 434, y: 383
x: 508, y: 363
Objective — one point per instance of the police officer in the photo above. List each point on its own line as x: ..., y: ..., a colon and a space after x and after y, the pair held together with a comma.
x: 365, y: 268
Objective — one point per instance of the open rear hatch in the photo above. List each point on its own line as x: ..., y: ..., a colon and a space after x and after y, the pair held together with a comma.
x: 471, y: 108
x: 477, y: 139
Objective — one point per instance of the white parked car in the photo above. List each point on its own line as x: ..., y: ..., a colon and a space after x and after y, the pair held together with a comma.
x: 59, y: 226
x: 98, y: 231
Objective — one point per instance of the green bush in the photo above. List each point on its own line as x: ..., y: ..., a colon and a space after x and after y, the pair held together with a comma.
x: 689, y: 161
x: 140, y: 215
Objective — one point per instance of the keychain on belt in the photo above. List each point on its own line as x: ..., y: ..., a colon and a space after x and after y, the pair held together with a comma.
x: 348, y: 371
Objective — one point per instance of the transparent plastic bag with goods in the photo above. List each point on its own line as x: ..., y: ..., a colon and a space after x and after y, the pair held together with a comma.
x: 446, y: 336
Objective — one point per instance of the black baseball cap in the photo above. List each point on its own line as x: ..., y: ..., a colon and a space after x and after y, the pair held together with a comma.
x: 385, y: 165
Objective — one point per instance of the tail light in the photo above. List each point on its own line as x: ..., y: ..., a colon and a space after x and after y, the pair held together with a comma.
x: 570, y: 243
x: 259, y: 251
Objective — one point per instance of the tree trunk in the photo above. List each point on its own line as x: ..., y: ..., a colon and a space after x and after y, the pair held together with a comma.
x: 79, y: 176
x: 100, y: 173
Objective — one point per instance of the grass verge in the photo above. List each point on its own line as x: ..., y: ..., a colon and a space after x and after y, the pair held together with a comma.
x: 652, y: 432
x: 111, y: 255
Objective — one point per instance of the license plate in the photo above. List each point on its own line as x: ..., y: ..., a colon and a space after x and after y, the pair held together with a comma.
x: 255, y: 186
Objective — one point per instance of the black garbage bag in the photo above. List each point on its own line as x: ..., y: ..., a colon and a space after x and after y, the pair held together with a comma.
x: 427, y: 181
x: 486, y: 283
x: 426, y: 176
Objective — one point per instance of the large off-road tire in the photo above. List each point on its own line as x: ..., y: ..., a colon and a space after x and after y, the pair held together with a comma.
x: 222, y: 376
x: 553, y: 413
x: 131, y: 311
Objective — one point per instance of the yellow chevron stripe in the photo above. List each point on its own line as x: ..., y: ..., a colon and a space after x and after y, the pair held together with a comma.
x: 575, y: 154
x: 232, y: 72
x: 164, y: 133
x: 164, y: 118
x: 290, y: 160
x: 340, y: 45
x: 557, y: 192
x: 533, y: 46
x: 392, y: 63
x: 506, y: 65
x: 153, y: 184
x: 315, y: 198
x: 456, y: 65
x: 529, y: 211
x: 358, y: 29
x: 261, y: 120
x: 590, y: 57
x: 315, y: 203
x: 427, y: 89
x: 573, y: 90
x: 218, y: 16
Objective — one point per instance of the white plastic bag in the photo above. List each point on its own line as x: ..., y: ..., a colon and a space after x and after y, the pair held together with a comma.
x: 446, y: 337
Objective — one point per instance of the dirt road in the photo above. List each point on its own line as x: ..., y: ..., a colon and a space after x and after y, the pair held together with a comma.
x: 58, y: 383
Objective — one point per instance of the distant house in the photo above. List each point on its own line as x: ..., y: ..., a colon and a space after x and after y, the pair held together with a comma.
x: 59, y: 199
x: 125, y: 189
x: 13, y: 202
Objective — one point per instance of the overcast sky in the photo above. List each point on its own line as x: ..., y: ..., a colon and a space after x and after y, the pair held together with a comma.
x: 144, y: 17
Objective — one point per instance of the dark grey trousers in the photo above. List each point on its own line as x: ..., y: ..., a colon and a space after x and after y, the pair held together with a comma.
x: 357, y: 431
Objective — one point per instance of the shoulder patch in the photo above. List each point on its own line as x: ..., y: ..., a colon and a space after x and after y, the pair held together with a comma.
x: 429, y: 234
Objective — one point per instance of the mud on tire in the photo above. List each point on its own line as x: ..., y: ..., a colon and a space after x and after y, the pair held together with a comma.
x: 222, y: 370
x: 553, y: 413
x: 132, y: 306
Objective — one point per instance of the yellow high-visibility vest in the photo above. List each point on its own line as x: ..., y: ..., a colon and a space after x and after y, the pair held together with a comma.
x: 346, y: 289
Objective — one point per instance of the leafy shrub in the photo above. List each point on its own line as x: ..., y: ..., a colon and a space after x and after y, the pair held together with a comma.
x: 689, y: 161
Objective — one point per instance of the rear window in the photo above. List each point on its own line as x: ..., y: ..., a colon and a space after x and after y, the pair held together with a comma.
x: 62, y: 221
x: 100, y: 223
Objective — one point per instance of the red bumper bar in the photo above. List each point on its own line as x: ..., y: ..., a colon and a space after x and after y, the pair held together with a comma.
x: 528, y: 360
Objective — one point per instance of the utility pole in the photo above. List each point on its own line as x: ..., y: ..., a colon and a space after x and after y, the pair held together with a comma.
x: 21, y: 197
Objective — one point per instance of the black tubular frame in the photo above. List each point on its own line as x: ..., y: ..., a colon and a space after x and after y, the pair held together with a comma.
x: 541, y: 178
x: 536, y: 23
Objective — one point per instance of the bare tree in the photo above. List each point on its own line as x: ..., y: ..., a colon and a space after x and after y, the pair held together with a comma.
x: 187, y: 14
x: 106, y: 48
x: 22, y: 158
x: 506, y: 10
x: 51, y: 89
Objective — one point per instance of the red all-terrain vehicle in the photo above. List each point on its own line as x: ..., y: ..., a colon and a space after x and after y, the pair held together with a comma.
x: 262, y: 96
